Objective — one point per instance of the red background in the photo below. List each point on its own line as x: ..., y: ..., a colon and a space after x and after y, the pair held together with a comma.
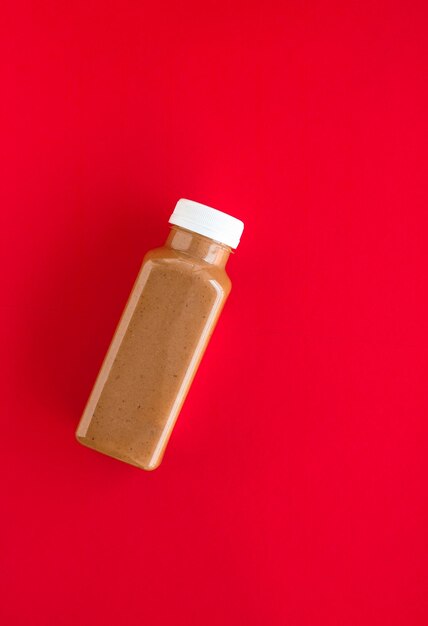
x: 294, y: 489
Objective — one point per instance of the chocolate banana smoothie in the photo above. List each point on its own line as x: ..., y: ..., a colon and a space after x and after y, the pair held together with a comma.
x: 157, y: 347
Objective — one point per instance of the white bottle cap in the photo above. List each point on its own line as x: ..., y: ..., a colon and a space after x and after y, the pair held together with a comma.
x: 206, y: 221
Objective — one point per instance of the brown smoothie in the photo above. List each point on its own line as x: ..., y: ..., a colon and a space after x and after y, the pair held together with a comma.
x: 157, y: 347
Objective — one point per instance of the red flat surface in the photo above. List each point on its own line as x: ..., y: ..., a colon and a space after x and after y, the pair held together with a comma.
x: 294, y: 489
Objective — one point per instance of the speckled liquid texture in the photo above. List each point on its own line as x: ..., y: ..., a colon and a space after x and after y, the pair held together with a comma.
x: 154, y: 354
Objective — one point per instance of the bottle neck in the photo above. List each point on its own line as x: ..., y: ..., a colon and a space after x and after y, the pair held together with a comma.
x: 198, y: 246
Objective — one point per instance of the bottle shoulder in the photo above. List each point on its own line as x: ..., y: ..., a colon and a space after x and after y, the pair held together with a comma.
x: 177, y: 261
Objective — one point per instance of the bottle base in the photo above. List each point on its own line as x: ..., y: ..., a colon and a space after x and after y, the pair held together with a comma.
x: 114, y: 454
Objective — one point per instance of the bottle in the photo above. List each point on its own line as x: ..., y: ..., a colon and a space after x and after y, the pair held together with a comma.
x: 161, y: 337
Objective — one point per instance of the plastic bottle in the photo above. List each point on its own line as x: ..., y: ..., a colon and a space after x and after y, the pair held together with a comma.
x: 161, y: 337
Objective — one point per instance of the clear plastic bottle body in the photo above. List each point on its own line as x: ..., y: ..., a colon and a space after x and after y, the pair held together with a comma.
x: 156, y: 349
